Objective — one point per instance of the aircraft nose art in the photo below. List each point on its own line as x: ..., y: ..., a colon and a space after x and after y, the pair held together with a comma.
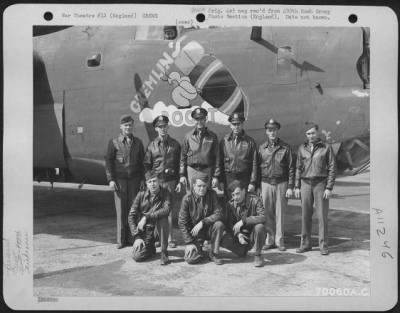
x: 209, y: 79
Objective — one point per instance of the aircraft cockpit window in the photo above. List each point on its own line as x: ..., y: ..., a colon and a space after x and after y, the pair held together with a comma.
x: 285, y: 71
x: 170, y: 32
x: 94, y: 60
x: 285, y: 55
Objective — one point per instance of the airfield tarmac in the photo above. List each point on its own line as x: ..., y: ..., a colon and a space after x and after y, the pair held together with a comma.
x: 75, y: 252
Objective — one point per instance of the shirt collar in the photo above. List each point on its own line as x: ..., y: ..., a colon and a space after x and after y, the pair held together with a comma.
x: 157, y: 140
x: 239, y: 136
x: 147, y: 194
x: 196, y: 130
x: 121, y: 137
x: 316, y: 144
x: 269, y: 143
x: 197, y: 197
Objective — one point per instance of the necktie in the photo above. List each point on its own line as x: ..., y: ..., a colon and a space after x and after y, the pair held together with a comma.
x: 163, y: 146
x: 128, y: 140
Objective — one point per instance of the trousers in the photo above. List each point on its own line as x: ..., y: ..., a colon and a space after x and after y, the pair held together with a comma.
x: 256, y: 237
x: 213, y: 233
x: 275, y: 204
x: 149, y: 249
x: 123, y: 198
x: 312, y: 196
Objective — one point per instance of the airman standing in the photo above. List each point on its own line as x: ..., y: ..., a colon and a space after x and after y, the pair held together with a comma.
x: 162, y: 156
x: 277, y: 180
x: 200, y: 151
x: 315, y: 177
x: 238, y: 156
x: 124, y: 172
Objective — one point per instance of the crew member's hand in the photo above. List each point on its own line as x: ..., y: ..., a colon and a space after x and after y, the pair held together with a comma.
x: 138, y: 245
x: 197, y: 228
x: 237, y: 226
x: 297, y: 193
x: 251, y: 188
x: 289, y: 193
x: 190, y: 249
x: 327, y: 194
x: 142, y: 222
x: 142, y: 185
x: 178, y: 187
x: 183, y: 181
x: 113, y: 185
x: 214, y: 183
x: 243, y: 239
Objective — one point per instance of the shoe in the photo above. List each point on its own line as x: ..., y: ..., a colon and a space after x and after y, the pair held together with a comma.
x: 120, y: 245
x: 324, y: 251
x: 282, y: 248
x: 216, y: 259
x: 157, y: 244
x: 269, y: 246
x: 258, y: 261
x: 303, y: 249
x: 164, y: 259
x: 172, y: 244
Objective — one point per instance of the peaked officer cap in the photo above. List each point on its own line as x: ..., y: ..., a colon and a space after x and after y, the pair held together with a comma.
x: 161, y: 119
x: 125, y: 119
x: 199, y: 113
x: 236, y: 117
x: 272, y: 123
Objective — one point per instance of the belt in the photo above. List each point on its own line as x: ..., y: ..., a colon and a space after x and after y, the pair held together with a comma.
x: 199, y: 167
x: 313, y: 180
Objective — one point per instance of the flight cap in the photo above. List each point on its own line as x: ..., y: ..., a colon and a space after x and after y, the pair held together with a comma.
x: 309, y: 125
x: 159, y: 120
x: 271, y: 123
x: 201, y: 176
x: 150, y: 175
x: 199, y: 113
x: 125, y: 119
x: 236, y: 117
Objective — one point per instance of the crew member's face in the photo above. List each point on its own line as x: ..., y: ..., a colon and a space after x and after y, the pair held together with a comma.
x: 272, y: 133
x: 312, y: 135
x: 201, y: 122
x: 238, y: 196
x: 126, y: 128
x: 162, y: 130
x: 200, y: 187
x: 153, y: 185
x: 236, y: 127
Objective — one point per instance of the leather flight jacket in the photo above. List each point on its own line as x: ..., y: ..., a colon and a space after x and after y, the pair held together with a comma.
x: 124, y: 161
x: 164, y: 162
x: 251, y: 212
x: 192, y: 212
x: 153, y: 208
x: 277, y: 164
x: 316, y: 165
x: 200, y: 153
x: 239, y: 158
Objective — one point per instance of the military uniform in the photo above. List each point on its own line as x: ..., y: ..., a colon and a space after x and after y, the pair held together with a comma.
x: 277, y: 176
x: 156, y: 209
x: 124, y: 166
x: 200, y: 152
x: 162, y: 157
x: 315, y: 172
x: 206, y: 209
x: 251, y: 212
x: 238, y: 157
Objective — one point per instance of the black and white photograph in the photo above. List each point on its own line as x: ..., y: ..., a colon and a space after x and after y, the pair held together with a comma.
x: 188, y: 160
